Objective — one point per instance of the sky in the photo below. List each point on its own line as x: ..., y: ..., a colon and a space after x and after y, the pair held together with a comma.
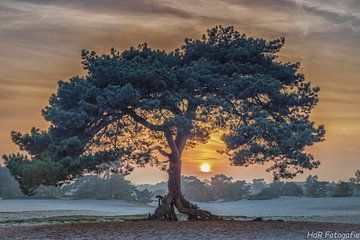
x: 41, y: 40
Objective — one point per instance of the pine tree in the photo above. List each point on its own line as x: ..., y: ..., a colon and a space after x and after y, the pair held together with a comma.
x: 133, y: 105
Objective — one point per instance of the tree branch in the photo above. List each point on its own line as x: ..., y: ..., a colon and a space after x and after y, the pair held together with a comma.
x: 174, y: 149
x: 181, y: 140
x: 185, y: 132
x: 162, y: 152
x: 172, y: 145
x: 143, y: 121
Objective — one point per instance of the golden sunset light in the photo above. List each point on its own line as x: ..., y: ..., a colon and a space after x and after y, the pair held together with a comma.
x: 205, y: 167
x: 225, y: 116
x: 41, y: 43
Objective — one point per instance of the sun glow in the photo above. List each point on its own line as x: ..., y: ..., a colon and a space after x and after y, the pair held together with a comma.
x: 205, y: 167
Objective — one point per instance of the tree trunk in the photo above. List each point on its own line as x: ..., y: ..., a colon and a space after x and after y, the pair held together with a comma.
x: 174, y: 183
x: 175, y: 199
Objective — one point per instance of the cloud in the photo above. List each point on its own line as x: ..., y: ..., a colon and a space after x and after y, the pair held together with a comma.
x: 40, y: 43
x: 342, y: 13
x: 115, y: 7
x: 347, y: 14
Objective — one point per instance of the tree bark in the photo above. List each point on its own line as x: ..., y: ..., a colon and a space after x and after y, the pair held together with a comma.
x: 174, y: 183
x: 175, y: 199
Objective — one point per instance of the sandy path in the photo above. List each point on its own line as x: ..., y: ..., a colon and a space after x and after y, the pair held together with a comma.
x: 178, y: 230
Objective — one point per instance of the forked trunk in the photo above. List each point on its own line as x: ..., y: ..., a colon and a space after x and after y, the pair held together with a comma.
x: 175, y: 199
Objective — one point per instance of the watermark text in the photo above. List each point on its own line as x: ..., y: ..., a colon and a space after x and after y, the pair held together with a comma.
x: 333, y: 235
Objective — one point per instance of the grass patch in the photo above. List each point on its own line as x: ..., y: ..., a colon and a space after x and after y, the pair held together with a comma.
x: 85, y: 219
x: 74, y: 219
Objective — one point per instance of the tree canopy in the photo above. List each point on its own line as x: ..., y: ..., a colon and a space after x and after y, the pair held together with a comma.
x: 134, y: 105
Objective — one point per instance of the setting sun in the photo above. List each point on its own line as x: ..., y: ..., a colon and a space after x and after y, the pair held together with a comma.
x: 205, y: 167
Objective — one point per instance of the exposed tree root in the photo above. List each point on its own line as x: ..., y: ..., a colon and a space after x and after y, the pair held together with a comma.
x: 166, y: 210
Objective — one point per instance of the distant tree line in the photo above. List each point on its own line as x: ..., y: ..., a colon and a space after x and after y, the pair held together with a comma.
x: 222, y: 187
x: 219, y: 187
x: 87, y: 187
x: 312, y: 187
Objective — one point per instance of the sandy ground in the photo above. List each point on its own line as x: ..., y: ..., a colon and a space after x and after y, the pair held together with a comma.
x: 340, y: 210
x: 180, y: 230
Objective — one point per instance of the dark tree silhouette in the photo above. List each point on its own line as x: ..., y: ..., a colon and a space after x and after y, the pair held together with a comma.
x: 135, y: 105
x: 292, y: 189
x: 343, y: 189
x: 356, y: 181
x: 286, y: 189
x: 314, y: 187
x: 258, y: 185
x: 220, y: 185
